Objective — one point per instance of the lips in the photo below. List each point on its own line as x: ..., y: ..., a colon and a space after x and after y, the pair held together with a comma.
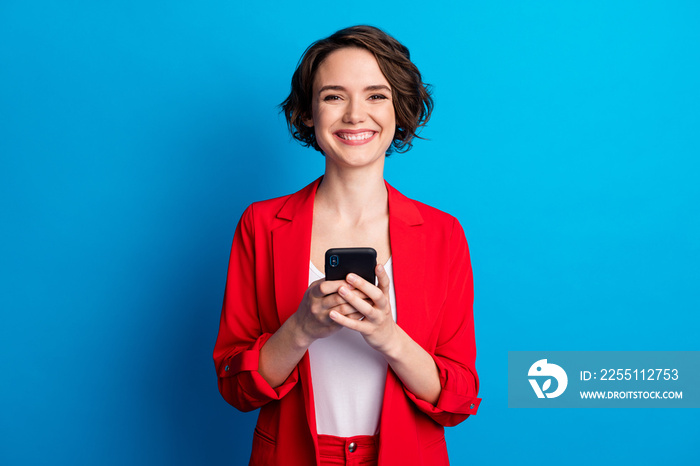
x: 355, y: 137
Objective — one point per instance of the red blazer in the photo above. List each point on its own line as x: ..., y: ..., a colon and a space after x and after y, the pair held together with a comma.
x: 267, y: 277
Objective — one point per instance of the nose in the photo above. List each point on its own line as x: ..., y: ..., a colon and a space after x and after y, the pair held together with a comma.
x: 355, y: 111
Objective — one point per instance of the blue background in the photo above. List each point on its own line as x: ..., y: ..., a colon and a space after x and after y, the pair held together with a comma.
x: 133, y: 135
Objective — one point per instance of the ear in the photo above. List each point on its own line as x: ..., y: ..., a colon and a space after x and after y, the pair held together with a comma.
x: 308, y: 122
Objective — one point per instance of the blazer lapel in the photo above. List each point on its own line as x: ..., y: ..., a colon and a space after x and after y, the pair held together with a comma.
x: 408, y: 252
x: 291, y: 251
x: 407, y: 240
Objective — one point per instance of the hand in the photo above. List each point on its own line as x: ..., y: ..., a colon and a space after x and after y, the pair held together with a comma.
x: 377, y: 325
x: 320, y: 298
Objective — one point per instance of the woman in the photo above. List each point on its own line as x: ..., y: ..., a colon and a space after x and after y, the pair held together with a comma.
x: 346, y: 371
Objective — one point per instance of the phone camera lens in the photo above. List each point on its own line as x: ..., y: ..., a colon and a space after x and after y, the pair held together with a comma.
x: 334, y: 261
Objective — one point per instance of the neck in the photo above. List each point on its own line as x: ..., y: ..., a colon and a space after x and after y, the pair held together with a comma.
x: 353, y: 194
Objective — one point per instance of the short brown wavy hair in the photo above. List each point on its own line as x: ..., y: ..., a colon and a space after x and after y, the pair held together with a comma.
x: 411, y: 96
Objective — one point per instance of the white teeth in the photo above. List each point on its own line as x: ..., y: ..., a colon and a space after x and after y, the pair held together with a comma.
x: 356, y: 137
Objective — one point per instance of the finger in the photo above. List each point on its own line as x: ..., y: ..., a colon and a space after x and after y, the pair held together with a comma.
x: 358, y: 303
x: 358, y: 293
x: 325, y: 287
x: 345, y: 309
x: 374, y: 293
x: 353, y: 315
x: 347, y: 322
x: 333, y: 299
x: 383, y: 279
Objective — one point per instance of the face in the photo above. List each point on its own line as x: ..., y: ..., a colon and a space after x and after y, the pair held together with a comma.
x: 353, y: 113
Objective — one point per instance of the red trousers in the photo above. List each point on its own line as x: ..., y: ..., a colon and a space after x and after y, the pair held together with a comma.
x: 361, y: 450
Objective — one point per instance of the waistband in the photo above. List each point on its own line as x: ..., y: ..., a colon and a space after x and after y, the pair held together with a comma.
x: 366, y: 446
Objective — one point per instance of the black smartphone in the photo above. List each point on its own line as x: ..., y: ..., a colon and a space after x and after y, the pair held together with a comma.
x: 342, y: 261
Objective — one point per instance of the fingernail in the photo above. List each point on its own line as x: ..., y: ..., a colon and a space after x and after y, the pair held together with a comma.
x: 351, y: 277
x: 343, y: 291
x: 380, y: 267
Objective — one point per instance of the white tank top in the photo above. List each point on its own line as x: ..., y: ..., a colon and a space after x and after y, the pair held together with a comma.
x: 348, y: 377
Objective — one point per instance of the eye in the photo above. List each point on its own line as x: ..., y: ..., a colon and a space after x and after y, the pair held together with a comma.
x: 378, y: 97
x: 331, y: 97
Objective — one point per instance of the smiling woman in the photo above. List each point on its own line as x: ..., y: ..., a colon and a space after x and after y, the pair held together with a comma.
x: 348, y: 371
x: 352, y: 110
x: 412, y: 107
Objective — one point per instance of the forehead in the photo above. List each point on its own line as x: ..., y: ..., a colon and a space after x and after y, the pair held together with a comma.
x: 349, y: 67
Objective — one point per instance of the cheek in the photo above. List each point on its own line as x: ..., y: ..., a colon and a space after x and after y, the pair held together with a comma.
x: 321, y: 116
x: 321, y: 124
x: 389, y: 112
x: 390, y: 117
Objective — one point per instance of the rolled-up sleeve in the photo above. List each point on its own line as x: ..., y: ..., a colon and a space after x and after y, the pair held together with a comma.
x: 241, y: 384
x: 455, y: 351
x: 240, y: 338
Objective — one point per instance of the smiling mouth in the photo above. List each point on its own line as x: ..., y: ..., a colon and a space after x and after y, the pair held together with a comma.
x: 355, y: 138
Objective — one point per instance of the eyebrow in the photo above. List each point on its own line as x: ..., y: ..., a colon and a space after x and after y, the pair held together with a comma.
x: 375, y: 87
